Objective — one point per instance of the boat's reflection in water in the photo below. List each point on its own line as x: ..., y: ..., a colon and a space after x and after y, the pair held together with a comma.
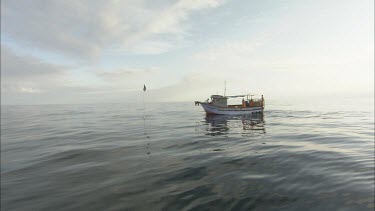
x: 225, y: 124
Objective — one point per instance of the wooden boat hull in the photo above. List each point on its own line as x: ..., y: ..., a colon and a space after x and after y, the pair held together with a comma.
x: 211, y: 109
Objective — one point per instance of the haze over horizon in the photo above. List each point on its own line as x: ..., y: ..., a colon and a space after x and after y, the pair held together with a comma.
x: 104, y: 51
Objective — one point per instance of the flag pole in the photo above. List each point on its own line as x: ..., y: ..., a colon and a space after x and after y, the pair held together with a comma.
x: 225, y: 88
x: 143, y: 99
x: 144, y: 112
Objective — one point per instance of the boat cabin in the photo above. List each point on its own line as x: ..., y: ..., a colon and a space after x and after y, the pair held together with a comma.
x: 222, y: 101
x: 219, y: 100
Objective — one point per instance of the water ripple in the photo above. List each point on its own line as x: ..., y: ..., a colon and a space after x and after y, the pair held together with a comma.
x: 108, y: 157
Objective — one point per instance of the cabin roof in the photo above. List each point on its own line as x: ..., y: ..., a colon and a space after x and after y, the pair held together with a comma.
x: 235, y: 96
x: 218, y: 96
x: 227, y: 97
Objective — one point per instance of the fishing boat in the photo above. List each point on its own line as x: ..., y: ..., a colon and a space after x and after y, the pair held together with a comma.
x: 218, y: 104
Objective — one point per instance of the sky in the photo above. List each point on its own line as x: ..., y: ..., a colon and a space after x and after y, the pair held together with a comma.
x: 87, y: 51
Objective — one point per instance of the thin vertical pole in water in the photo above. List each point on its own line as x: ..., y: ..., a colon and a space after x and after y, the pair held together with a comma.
x: 144, y: 111
x: 143, y: 101
x: 144, y: 121
x: 144, y: 90
x: 225, y: 88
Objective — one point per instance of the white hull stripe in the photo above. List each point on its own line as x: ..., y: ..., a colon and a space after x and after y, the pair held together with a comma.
x: 220, y: 110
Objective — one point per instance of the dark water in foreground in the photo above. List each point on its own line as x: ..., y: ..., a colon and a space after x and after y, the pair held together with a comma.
x: 106, y: 157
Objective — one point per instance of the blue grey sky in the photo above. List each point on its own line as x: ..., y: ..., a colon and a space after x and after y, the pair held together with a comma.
x: 83, y: 51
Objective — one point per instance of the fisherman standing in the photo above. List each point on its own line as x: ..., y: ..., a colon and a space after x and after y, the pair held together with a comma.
x: 262, y: 102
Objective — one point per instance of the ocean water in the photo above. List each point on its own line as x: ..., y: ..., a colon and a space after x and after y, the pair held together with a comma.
x: 306, y: 156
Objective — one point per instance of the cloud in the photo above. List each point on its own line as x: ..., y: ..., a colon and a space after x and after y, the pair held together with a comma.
x: 234, y: 54
x: 30, y: 80
x: 51, y: 26
x: 29, y: 90
x: 125, y: 73
x: 132, y: 79
x: 28, y: 74
x: 84, y: 29
x: 14, y: 65
x: 169, y: 20
x: 27, y: 79
x: 253, y: 46
x: 193, y: 86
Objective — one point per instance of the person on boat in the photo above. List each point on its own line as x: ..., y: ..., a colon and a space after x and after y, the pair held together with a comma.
x: 243, y: 103
x: 262, y: 102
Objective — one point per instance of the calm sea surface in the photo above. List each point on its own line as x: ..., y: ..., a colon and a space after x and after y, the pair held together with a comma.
x: 108, y: 157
